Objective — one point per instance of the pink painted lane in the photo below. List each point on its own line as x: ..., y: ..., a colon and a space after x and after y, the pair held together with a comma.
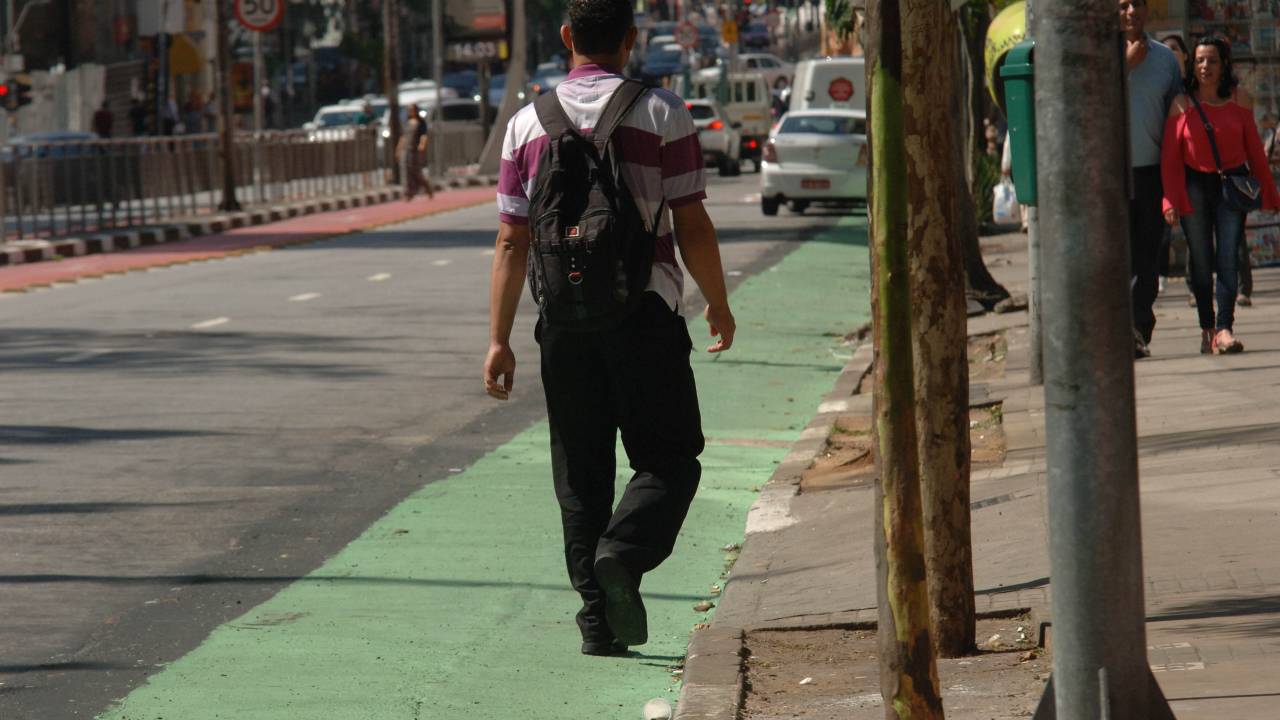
x: 308, y: 228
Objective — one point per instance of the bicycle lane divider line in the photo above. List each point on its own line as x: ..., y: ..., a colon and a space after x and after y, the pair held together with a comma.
x: 456, y: 603
x: 250, y: 239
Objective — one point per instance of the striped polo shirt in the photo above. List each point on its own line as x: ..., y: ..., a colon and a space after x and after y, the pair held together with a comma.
x: 657, y: 148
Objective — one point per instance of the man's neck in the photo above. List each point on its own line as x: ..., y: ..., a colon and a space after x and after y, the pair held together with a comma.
x: 1135, y: 36
x: 609, y: 61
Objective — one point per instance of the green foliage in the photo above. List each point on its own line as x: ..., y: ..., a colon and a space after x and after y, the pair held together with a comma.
x: 841, y: 17
x: 986, y: 175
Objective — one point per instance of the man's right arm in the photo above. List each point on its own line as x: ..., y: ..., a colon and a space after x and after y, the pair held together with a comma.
x: 507, y: 281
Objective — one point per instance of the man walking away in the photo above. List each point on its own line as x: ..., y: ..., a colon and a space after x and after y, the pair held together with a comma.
x: 624, y: 367
x: 1155, y: 79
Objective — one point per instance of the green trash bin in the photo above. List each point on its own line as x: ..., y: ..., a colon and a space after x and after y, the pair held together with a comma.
x: 1018, y: 74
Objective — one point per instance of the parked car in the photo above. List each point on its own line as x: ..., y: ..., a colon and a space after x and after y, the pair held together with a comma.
x: 756, y: 37
x: 721, y: 143
x: 746, y: 100
x: 335, y: 116
x: 815, y: 156
x: 663, y: 62
x: 546, y: 77
x: 464, y: 82
x: 777, y: 72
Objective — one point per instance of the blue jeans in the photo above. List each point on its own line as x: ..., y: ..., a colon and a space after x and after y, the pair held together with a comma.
x: 1214, y: 231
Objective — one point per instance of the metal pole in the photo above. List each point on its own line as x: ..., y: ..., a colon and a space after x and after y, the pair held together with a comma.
x: 1035, y: 333
x: 391, y: 81
x: 226, y: 115
x: 258, y: 76
x: 437, y: 74
x: 1095, y: 540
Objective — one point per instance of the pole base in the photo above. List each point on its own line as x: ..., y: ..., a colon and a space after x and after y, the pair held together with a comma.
x: 1157, y: 707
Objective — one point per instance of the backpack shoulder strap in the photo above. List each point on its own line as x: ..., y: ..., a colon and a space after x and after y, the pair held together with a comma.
x: 617, y: 109
x: 552, y: 115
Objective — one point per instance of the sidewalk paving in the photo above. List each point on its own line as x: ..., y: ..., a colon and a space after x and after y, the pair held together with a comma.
x: 1209, y: 464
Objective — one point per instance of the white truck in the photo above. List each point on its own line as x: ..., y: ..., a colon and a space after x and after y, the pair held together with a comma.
x: 830, y: 82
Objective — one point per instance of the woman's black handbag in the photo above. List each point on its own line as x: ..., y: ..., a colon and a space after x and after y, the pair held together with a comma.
x: 1240, y: 190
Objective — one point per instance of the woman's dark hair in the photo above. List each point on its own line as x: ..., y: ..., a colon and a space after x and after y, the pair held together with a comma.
x: 1228, y: 83
x: 599, y: 26
x: 1186, y: 55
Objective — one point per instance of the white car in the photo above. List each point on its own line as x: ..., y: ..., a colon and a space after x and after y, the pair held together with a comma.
x: 815, y: 156
x: 777, y: 72
x: 720, y: 140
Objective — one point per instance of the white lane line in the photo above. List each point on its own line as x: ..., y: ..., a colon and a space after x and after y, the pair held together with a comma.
x: 215, y: 322
x: 489, y: 253
x: 304, y: 297
x: 442, y: 263
x: 380, y: 277
x: 734, y: 273
x: 86, y: 355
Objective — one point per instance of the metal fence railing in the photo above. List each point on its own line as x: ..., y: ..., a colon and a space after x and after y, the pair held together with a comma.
x: 63, y: 188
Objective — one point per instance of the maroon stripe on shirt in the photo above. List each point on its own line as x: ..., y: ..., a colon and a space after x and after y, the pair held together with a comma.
x: 681, y: 156
x: 638, y: 147
x: 509, y: 179
x: 525, y: 158
x: 664, y: 249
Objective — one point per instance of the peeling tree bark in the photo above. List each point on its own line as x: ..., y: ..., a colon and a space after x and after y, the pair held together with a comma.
x: 908, y: 674
x: 935, y: 256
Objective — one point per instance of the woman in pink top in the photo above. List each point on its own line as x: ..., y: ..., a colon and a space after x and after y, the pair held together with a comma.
x: 1193, y: 187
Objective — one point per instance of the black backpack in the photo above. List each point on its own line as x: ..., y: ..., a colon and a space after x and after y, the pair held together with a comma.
x: 591, y: 253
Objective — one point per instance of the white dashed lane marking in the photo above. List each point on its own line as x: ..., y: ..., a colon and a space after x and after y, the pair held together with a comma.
x: 489, y: 253
x: 304, y: 297
x: 380, y: 277
x: 442, y: 263
x: 215, y: 322
x: 80, y: 357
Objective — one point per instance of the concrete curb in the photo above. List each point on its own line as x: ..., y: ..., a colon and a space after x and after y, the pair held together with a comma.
x: 21, y: 252
x: 713, y: 670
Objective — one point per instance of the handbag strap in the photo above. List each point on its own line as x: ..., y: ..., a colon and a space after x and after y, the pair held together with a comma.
x: 1213, y: 144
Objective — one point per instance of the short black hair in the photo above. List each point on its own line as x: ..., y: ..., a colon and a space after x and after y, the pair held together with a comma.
x: 1227, y: 84
x: 599, y: 26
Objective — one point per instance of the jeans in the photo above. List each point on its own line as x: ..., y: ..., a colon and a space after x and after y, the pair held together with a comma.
x: 1214, y: 231
x: 1146, y: 234
x: 635, y: 379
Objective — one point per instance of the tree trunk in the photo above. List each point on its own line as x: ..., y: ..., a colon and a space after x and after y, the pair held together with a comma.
x: 939, y: 322
x: 971, y: 22
x: 391, y: 80
x: 908, y: 675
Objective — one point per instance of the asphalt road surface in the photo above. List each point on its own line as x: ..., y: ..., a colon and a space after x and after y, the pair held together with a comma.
x: 216, y: 430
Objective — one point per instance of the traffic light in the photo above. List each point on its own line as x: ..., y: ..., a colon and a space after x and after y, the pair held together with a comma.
x: 22, y: 90
x: 14, y: 93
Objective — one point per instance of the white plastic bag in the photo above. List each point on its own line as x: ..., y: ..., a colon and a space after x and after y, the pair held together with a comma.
x: 1004, y: 204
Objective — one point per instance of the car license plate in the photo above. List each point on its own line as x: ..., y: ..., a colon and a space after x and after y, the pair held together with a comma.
x: 815, y: 184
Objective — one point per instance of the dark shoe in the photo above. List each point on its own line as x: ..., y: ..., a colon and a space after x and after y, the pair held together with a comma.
x: 603, y: 647
x: 622, y: 604
x: 1140, y: 349
x: 1244, y: 301
x: 1206, y: 342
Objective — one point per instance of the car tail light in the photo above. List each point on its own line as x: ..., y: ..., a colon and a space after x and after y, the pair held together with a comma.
x: 770, y: 153
x: 688, y: 106
x: 715, y: 125
x: 751, y: 143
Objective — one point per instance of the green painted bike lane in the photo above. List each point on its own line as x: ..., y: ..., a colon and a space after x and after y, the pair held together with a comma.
x: 456, y: 603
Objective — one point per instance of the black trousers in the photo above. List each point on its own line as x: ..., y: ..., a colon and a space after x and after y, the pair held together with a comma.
x: 635, y: 379
x: 1146, y: 234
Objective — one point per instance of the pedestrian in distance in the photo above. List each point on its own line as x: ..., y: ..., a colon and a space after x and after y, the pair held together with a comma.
x: 412, y: 151
x: 1155, y: 79
x: 614, y: 347
x: 1210, y: 144
x: 103, y: 121
x: 137, y: 116
x: 1179, y: 48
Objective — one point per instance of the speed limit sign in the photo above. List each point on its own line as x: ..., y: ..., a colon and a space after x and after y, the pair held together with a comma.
x: 260, y: 15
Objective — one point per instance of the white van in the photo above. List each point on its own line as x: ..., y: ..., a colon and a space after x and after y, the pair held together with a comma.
x: 749, y: 106
x: 832, y: 82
